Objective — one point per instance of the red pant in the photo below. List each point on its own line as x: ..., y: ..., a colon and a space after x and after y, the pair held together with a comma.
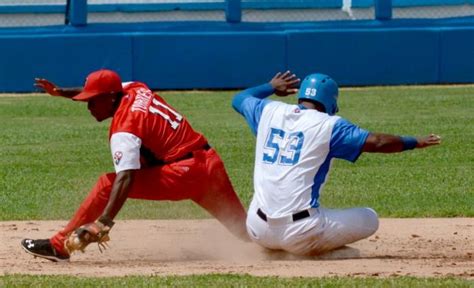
x: 201, y: 178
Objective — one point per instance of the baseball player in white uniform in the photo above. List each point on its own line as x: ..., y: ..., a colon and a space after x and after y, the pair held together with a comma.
x: 294, y: 150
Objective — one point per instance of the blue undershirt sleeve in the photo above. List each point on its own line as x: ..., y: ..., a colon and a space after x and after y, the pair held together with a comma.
x: 347, y: 140
x: 250, y: 103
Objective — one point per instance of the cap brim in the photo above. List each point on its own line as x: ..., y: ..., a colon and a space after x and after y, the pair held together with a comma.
x: 85, y: 96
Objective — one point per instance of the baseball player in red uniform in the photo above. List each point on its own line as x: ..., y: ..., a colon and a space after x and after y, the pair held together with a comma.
x: 157, y: 156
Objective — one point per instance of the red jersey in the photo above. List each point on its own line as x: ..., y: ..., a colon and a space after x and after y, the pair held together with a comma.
x: 163, y: 132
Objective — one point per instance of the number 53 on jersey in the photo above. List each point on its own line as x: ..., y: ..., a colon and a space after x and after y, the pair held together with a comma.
x: 282, y: 148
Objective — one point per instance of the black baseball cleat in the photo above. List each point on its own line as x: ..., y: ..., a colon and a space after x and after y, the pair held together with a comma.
x: 43, y: 248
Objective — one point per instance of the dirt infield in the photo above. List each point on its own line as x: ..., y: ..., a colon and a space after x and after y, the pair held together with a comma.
x: 414, y: 247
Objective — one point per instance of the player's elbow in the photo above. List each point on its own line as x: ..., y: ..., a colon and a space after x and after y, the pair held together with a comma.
x: 238, y: 100
x: 235, y: 103
x: 126, y: 177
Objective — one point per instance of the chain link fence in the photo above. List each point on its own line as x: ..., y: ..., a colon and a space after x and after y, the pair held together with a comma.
x: 16, y: 13
x: 303, y: 10
x: 302, y: 15
x: 155, y: 10
x: 449, y: 9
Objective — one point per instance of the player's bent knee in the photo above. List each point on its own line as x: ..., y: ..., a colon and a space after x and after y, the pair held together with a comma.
x: 104, y: 185
x: 371, y: 221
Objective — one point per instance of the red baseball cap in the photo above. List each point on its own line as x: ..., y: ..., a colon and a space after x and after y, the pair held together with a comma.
x: 100, y: 82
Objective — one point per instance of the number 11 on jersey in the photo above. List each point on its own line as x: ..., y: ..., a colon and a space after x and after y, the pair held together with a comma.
x: 174, y: 123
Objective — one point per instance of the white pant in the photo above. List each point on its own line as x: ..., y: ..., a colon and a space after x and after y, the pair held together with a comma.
x: 325, y: 230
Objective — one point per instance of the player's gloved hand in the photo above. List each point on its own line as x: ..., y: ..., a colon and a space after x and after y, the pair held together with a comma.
x: 97, y: 232
x: 284, y: 83
x: 426, y: 141
x: 48, y: 86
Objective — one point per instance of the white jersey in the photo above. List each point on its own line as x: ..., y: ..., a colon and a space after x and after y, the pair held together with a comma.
x: 294, y: 150
x: 292, y: 146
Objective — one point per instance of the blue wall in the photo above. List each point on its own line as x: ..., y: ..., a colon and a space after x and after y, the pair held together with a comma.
x: 456, y: 63
x: 208, y: 60
x: 63, y: 59
x: 379, y: 56
x: 222, y: 55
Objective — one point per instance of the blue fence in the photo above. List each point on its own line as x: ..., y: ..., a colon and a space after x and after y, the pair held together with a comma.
x: 243, y: 4
x: 78, y: 9
x: 233, y: 54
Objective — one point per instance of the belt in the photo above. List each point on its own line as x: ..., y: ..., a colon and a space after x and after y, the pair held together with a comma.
x: 287, y: 219
x: 191, y: 154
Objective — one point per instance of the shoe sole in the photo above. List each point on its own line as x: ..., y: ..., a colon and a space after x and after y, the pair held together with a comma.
x: 50, y: 258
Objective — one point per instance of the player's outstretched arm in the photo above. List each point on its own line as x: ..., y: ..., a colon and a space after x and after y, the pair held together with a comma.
x: 53, y: 90
x: 386, y: 143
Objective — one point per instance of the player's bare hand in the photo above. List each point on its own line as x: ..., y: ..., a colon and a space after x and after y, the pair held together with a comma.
x: 284, y: 83
x: 47, y: 86
x: 426, y: 141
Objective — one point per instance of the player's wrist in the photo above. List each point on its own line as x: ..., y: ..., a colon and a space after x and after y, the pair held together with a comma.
x: 106, y: 221
x: 409, y: 143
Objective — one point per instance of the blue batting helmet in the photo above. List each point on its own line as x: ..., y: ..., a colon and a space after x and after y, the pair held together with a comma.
x: 320, y: 88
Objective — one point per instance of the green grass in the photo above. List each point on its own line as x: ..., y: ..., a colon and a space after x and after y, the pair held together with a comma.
x: 52, y: 151
x: 225, y: 280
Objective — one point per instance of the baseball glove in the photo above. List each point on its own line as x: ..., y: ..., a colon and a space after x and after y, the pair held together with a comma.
x: 96, y: 232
